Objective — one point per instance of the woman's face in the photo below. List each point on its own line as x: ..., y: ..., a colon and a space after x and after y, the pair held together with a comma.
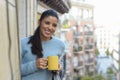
x: 48, y: 26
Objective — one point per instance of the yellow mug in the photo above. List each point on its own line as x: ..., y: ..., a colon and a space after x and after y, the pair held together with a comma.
x: 52, y: 62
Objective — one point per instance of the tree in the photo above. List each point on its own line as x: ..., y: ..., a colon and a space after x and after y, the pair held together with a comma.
x: 110, y: 73
x: 110, y: 70
x: 96, y: 52
x: 107, y: 52
x: 86, y: 78
x: 98, y: 77
x: 95, y: 77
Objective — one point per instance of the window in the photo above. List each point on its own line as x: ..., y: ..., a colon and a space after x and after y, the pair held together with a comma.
x: 38, y: 17
x: 85, y: 14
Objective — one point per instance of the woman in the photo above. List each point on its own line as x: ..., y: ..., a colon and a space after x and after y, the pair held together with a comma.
x: 36, y: 49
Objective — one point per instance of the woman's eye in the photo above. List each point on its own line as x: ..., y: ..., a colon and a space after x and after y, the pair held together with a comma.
x: 54, y: 25
x: 47, y: 22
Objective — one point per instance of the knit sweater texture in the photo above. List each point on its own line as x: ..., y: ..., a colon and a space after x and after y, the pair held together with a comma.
x: 29, y: 71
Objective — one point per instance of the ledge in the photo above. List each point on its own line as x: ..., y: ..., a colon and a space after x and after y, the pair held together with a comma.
x: 58, y: 5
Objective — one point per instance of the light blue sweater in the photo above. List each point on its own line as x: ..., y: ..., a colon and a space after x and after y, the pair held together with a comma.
x: 28, y: 67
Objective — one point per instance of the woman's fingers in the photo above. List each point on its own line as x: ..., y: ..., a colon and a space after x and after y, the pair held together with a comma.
x: 42, y: 60
x: 41, y: 63
x: 42, y: 67
x: 59, y: 67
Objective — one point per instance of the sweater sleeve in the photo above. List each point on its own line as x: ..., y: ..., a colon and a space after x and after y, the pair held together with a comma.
x: 27, y: 67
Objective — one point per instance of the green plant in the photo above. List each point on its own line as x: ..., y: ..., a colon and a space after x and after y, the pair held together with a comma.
x: 98, y: 77
x: 86, y: 78
x: 96, y: 52
x: 107, y: 52
x: 75, y: 49
x: 93, y: 77
x: 79, y: 48
x: 110, y: 70
x: 65, y: 24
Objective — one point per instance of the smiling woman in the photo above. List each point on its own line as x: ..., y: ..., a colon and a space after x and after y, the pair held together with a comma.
x: 36, y: 48
x: 48, y: 27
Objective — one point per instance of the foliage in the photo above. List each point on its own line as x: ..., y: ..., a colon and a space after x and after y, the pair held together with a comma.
x: 77, y: 77
x: 65, y: 24
x: 86, y: 78
x: 98, y: 77
x: 79, y: 48
x: 110, y: 70
x: 95, y: 77
x: 107, y: 52
x: 96, y: 52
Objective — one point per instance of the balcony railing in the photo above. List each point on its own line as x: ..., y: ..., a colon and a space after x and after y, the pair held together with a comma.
x: 80, y: 63
x: 90, y: 61
x: 88, y: 32
x: 88, y: 46
x: 76, y: 34
x: 77, y: 49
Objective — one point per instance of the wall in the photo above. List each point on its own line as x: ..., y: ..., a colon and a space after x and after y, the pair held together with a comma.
x: 27, y: 17
x: 9, y: 41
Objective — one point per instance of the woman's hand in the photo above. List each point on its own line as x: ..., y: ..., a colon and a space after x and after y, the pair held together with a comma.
x: 59, y: 67
x: 41, y: 63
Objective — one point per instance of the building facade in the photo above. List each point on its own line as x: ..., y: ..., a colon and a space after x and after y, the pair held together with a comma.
x: 105, y: 38
x: 84, y: 45
x: 78, y: 32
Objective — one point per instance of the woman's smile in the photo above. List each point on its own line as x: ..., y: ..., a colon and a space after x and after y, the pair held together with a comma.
x: 47, y: 27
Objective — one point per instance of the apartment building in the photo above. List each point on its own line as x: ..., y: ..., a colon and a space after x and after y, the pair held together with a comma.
x: 116, y: 55
x: 84, y: 38
x: 78, y: 29
x: 105, y: 38
x: 108, y: 38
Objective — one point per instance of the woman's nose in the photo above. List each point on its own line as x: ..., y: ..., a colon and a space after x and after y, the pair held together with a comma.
x: 50, y: 27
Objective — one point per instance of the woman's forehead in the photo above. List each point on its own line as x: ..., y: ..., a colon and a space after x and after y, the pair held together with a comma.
x: 53, y: 18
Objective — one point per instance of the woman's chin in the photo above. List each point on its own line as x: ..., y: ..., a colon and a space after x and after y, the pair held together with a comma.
x: 48, y: 37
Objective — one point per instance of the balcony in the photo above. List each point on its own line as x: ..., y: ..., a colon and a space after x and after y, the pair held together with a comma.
x: 78, y: 52
x: 89, y: 33
x: 77, y: 48
x: 90, y: 61
x: 77, y: 34
x: 88, y: 46
x: 80, y: 63
x: 90, y: 68
x: 79, y: 66
x: 89, y: 40
x: 61, y: 6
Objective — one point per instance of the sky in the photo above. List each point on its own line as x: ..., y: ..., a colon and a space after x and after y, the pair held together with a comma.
x: 106, y: 12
